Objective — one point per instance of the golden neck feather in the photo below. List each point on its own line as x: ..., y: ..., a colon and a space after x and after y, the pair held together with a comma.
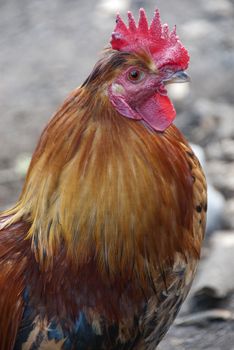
x: 102, y: 185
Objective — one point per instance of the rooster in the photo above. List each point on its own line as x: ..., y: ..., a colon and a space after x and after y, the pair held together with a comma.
x: 101, y: 248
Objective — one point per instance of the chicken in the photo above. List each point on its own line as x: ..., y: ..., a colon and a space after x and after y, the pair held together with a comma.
x: 101, y: 248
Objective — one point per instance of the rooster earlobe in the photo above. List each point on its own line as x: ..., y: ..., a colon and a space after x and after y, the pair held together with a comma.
x: 121, y: 106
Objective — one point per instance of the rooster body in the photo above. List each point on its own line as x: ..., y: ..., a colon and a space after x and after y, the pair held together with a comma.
x: 101, y: 249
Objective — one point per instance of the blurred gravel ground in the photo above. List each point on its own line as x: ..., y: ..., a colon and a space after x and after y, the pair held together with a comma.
x: 47, y: 48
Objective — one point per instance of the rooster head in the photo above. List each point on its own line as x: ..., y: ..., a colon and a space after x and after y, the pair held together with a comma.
x: 156, y: 58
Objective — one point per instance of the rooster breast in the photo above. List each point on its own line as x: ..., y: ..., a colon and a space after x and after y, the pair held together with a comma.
x: 138, y: 202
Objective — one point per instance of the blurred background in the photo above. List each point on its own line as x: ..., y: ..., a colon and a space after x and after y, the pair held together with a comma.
x: 47, y: 48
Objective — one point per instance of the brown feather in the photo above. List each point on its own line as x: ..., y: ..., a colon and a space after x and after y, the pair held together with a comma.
x: 99, y: 181
x: 107, y: 202
x: 12, y: 267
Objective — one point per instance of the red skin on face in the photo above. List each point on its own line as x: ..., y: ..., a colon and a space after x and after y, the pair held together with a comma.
x: 146, y: 100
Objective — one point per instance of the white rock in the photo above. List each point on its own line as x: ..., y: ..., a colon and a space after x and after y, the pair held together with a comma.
x: 216, y: 201
x: 200, y: 154
x: 216, y: 205
x: 216, y: 276
x: 178, y: 91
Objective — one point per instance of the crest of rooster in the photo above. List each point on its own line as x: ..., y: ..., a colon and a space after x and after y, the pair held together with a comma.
x: 101, y: 248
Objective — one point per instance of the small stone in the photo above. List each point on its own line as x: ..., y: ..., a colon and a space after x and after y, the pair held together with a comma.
x: 227, y: 147
x: 228, y: 215
x: 222, y: 176
x: 203, y: 318
x: 215, y: 119
x: 222, y: 150
x: 215, y: 280
x: 216, y: 205
x: 214, y: 150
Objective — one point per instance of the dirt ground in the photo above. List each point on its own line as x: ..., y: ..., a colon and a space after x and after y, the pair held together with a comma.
x: 47, y: 48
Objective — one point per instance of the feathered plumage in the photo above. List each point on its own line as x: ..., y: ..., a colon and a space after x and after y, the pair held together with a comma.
x: 101, y: 248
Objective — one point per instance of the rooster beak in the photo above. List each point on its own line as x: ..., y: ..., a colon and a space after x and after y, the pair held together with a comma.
x: 177, y: 77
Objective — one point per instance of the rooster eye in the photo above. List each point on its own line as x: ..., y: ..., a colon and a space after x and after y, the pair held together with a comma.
x: 135, y: 75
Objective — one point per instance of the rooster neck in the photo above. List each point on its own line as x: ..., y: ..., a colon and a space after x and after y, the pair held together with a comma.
x: 104, y: 186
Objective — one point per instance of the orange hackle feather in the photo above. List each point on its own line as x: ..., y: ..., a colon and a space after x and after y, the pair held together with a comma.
x: 89, y: 187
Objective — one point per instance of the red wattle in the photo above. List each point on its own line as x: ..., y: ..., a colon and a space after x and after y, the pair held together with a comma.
x: 158, y: 111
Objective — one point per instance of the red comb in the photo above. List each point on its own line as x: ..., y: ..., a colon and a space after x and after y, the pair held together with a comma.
x: 156, y: 39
